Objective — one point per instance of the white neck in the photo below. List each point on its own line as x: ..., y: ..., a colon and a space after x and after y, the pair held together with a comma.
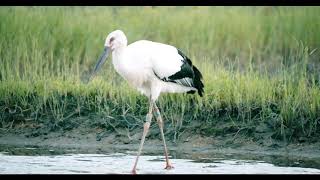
x: 118, y: 50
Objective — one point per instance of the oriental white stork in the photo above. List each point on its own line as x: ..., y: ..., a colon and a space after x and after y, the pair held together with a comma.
x: 152, y: 68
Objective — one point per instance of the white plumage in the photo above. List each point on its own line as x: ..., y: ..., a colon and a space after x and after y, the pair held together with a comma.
x: 141, y: 61
x: 152, y: 68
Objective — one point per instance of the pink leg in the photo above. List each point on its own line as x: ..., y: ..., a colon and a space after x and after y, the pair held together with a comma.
x: 160, y: 123
x: 145, y: 131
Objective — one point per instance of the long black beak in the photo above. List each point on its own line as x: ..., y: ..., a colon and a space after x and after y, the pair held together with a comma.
x: 100, y: 62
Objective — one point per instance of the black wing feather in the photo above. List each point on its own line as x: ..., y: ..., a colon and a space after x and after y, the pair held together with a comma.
x: 188, y: 75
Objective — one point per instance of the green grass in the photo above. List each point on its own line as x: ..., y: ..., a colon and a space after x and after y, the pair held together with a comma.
x: 260, y: 67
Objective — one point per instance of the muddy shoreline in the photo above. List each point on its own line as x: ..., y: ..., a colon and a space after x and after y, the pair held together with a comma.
x: 87, y: 141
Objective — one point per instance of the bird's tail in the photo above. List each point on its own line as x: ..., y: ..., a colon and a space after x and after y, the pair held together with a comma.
x: 198, y: 84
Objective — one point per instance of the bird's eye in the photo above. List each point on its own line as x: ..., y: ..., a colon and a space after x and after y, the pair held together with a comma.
x: 111, y: 39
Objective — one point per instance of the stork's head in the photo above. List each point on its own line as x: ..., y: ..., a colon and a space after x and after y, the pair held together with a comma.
x: 115, y: 40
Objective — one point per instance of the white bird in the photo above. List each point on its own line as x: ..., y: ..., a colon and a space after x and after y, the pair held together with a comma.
x: 152, y: 68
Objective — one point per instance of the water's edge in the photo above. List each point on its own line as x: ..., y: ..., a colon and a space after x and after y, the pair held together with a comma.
x: 33, y: 160
x: 198, y: 149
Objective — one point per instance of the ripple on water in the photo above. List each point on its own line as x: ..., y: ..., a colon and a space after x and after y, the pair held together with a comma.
x: 122, y: 164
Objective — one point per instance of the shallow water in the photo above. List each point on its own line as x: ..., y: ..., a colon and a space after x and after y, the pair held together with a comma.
x: 38, y: 161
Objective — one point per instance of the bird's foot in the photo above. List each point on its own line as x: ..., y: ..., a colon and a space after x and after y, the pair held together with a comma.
x: 133, y: 171
x: 168, y: 167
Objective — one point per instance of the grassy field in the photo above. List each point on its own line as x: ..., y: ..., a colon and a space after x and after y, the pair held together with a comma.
x: 260, y: 64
